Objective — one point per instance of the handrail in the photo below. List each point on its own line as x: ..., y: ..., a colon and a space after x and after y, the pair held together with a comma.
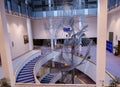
x: 112, y: 77
x: 56, y: 77
x: 95, y: 65
x: 53, y: 85
x: 20, y: 65
x: 44, y: 75
x: 41, y: 63
x: 36, y: 80
x: 107, y: 72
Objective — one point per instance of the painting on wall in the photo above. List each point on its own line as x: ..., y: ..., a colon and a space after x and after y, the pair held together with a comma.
x: 25, y: 39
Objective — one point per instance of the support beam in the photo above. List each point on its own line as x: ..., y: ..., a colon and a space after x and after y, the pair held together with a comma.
x: 51, y: 33
x: 55, y: 41
x: 30, y: 34
x: 80, y: 4
x: 5, y: 52
x: 101, y: 42
x: 80, y: 27
x: 51, y: 26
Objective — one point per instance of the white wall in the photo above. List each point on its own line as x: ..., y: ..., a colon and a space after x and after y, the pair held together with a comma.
x: 91, y: 21
x: 38, y: 29
x: 41, y: 27
x: 114, y: 24
x: 17, y: 27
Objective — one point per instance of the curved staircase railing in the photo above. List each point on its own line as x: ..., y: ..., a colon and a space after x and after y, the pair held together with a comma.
x: 21, y: 65
x: 32, y: 67
x: 86, y: 66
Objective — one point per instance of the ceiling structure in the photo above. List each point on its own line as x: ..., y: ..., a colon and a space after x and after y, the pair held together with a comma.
x: 43, y: 5
x: 30, y: 7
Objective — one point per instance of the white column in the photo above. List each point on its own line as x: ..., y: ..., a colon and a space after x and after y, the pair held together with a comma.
x: 80, y: 23
x: 101, y: 42
x: 51, y: 33
x: 80, y: 27
x: 51, y: 26
x: 80, y: 3
x: 6, y: 57
x: 30, y: 34
x: 55, y: 41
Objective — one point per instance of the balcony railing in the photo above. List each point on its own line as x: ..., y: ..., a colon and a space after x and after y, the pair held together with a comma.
x: 55, y: 85
x: 113, y: 4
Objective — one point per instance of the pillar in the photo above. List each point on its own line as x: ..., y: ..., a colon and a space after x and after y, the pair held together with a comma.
x: 80, y: 4
x: 5, y: 52
x: 80, y: 27
x: 30, y: 34
x: 51, y: 26
x: 101, y: 42
x: 55, y: 41
x: 51, y: 33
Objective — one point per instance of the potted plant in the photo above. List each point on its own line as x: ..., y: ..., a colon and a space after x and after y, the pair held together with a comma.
x: 116, y: 50
x: 115, y: 82
x: 4, y: 83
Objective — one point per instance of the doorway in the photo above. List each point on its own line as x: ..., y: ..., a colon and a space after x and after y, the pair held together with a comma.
x: 111, y: 36
x: 118, y: 47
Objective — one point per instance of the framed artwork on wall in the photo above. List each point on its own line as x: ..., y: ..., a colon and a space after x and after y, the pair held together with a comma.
x: 25, y: 37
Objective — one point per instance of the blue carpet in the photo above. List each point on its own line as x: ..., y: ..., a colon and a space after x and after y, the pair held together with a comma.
x: 47, y: 78
x: 26, y: 74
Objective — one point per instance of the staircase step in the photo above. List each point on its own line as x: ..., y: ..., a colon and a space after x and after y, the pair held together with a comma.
x: 22, y: 72
x: 25, y: 75
x: 26, y: 81
x: 25, y: 78
x: 28, y: 68
x: 46, y: 78
x: 29, y: 65
x: 44, y: 81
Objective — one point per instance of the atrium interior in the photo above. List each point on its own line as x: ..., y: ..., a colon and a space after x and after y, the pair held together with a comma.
x: 60, y: 43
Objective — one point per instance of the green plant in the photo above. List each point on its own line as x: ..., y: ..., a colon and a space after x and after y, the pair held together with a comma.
x: 115, y: 82
x: 116, y: 49
x: 4, y: 83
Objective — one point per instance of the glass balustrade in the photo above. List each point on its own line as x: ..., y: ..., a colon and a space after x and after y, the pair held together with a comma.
x: 33, y: 8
